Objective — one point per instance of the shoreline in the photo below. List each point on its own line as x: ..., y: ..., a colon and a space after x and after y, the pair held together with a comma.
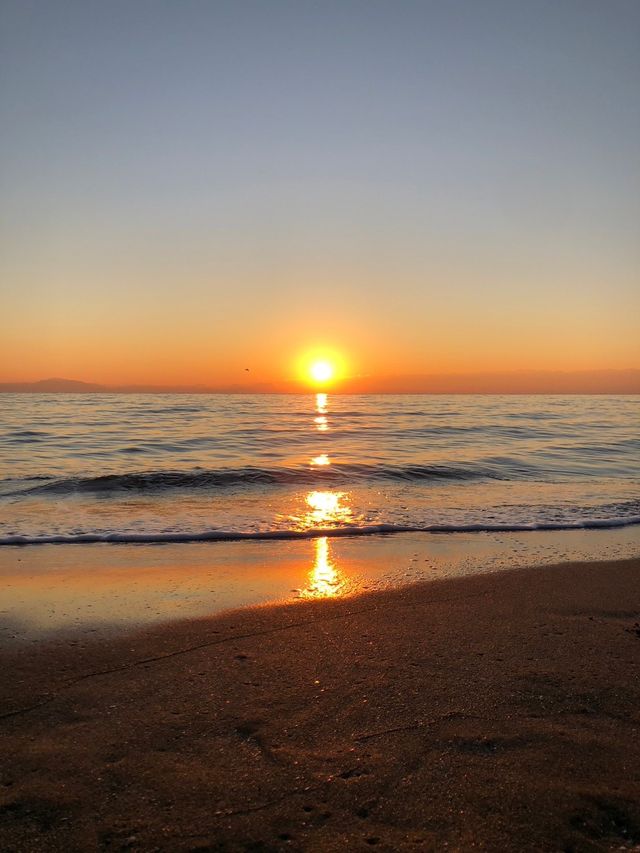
x: 212, y: 536
x: 101, y: 590
x: 498, y: 710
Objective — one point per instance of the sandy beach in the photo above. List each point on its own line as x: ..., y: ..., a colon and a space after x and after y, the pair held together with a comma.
x: 495, y: 712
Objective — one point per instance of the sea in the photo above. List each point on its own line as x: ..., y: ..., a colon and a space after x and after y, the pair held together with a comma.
x: 154, y: 468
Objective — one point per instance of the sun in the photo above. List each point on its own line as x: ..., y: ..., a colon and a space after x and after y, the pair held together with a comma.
x: 321, y: 367
x: 321, y: 371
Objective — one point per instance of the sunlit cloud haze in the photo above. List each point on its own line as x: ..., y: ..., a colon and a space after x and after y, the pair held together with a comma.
x: 201, y: 193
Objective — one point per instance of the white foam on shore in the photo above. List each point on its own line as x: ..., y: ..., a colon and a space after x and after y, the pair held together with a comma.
x: 129, y: 538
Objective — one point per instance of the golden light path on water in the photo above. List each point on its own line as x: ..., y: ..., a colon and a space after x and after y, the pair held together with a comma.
x: 325, y: 508
x: 321, y: 421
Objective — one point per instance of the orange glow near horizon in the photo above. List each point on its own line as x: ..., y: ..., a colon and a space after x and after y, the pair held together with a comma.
x: 186, y: 357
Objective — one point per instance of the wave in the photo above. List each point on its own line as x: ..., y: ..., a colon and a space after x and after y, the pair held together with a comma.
x: 159, y: 481
x: 127, y: 538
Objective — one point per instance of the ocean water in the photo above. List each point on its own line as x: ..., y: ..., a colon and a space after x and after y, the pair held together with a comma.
x: 155, y: 468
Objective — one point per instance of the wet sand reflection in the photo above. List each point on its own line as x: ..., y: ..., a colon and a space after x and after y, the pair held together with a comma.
x: 325, y: 579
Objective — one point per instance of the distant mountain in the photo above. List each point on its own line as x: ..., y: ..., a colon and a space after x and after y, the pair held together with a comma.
x: 54, y: 385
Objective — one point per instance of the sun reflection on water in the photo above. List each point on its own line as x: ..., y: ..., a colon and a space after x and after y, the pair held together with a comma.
x: 326, y: 508
x: 325, y: 580
x: 321, y: 510
x: 322, y: 459
x: 321, y: 421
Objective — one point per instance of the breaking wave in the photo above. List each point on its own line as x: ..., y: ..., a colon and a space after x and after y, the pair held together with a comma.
x: 160, y: 481
x: 129, y: 538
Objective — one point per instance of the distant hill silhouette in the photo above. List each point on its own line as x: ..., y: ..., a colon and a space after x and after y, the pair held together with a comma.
x: 54, y: 385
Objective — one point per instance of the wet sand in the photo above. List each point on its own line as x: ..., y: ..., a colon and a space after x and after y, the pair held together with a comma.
x: 96, y: 591
x: 497, y: 711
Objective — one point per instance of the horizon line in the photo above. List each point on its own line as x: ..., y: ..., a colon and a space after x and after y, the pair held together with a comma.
x: 574, y: 382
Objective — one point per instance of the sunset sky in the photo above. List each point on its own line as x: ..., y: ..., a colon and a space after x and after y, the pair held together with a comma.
x: 190, y: 189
